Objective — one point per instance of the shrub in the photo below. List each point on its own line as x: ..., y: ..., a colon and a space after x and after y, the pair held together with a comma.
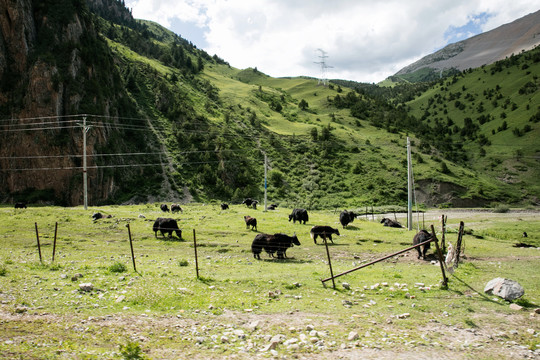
x: 3, y: 270
x: 117, y: 268
x: 183, y: 263
x: 131, y: 351
x: 501, y: 209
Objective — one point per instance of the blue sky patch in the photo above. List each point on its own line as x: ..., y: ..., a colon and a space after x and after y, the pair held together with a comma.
x: 189, y: 31
x: 473, y: 27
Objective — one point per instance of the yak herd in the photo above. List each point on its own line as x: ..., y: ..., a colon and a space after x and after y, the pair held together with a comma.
x: 276, y: 245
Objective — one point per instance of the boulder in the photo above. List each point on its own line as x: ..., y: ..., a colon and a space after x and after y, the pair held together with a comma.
x: 505, y: 288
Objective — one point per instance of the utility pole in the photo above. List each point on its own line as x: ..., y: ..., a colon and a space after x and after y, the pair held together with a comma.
x: 85, y: 173
x: 265, y: 180
x: 409, y: 185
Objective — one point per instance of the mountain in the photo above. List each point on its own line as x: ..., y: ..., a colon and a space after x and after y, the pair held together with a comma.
x: 168, y: 122
x: 520, y: 35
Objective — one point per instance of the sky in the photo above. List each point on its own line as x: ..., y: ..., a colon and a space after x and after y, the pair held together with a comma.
x: 360, y: 40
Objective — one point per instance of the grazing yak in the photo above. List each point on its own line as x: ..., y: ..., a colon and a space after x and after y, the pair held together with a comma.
x: 324, y: 232
x: 249, y: 202
x: 390, y: 223
x: 98, y: 215
x: 420, y: 237
x: 277, y: 243
x: 176, y: 208
x: 166, y: 225
x: 347, y: 217
x: 224, y: 206
x: 164, y: 208
x: 272, y: 207
x: 20, y: 205
x: 250, y: 221
x: 299, y: 215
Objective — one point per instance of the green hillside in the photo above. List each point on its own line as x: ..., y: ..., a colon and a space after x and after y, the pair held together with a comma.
x: 493, y: 112
x: 473, y: 135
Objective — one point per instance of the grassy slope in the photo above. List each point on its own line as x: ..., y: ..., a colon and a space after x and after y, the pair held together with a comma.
x: 381, y: 154
x: 500, y: 161
x: 345, y: 128
x: 123, y: 305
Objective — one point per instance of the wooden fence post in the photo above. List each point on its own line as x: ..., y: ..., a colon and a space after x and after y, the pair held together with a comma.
x: 439, y: 254
x: 196, y: 258
x: 443, y: 229
x: 38, y: 244
x: 131, y: 246
x: 458, y: 243
x: 329, y: 263
x: 54, y: 242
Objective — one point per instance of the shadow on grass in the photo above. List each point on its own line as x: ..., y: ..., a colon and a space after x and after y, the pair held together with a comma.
x: 330, y: 244
x: 480, y: 293
x: 291, y: 260
x: 172, y: 239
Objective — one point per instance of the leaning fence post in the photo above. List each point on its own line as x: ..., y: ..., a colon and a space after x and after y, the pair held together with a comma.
x: 131, y: 246
x: 54, y: 242
x: 329, y: 263
x: 443, y: 229
x: 439, y: 254
x: 458, y: 243
x: 38, y: 244
x: 196, y: 258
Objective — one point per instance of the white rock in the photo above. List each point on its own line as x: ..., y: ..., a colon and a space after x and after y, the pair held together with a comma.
x: 505, y: 288
x: 86, y: 286
x: 353, y: 335
x: 515, y: 307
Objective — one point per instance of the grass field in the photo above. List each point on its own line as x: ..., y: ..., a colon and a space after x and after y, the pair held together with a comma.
x: 240, y: 307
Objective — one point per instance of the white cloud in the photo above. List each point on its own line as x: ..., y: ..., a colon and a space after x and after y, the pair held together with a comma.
x: 365, y: 40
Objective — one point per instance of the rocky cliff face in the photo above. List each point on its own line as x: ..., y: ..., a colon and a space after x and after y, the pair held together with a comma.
x: 50, y: 62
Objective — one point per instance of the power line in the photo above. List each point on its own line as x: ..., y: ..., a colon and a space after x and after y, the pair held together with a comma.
x: 96, y: 167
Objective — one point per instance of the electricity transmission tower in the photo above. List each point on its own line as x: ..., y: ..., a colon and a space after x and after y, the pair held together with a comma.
x: 323, y: 79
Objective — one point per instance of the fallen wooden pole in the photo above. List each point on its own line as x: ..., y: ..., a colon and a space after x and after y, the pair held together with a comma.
x: 378, y: 260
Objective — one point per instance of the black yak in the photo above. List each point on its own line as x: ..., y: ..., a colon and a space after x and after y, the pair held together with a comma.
x: 347, y: 217
x: 224, y: 206
x: 300, y: 215
x: 277, y: 243
x: 324, y: 232
x: 166, y: 225
x: 420, y: 237
x: 250, y: 222
x: 390, y: 223
x: 164, y: 208
x: 249, y: 202
x: 176, y: 208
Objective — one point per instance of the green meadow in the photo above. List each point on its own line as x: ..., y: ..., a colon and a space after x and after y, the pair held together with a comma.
x: 237, y: 304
